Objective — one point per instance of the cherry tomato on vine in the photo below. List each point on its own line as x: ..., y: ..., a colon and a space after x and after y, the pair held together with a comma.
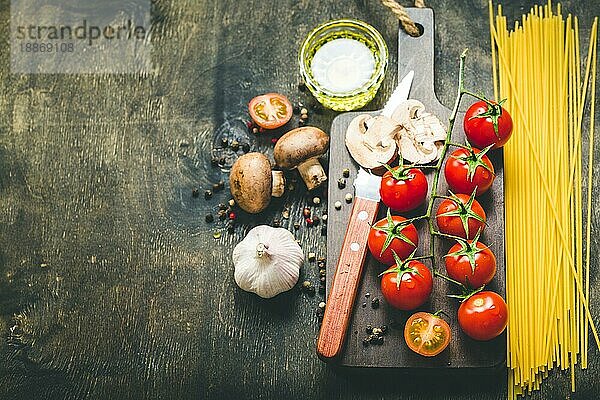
x: 407, y: 284
x: 393, y: 233
x: 471, y: 263
x: 403, y: 189
x: 270, y: 110
x: 487, y: 124
x: 460, y: 215
x: 483, y: 315
x: 426, y: 334
x: 469, y: 169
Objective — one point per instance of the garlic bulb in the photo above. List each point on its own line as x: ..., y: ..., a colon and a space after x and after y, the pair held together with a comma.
x: 267, y: 262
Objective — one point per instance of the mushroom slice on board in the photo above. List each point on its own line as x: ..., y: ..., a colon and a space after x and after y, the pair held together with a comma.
x: 301, y: 148
x: 371, y: 141
x: 422, y: 136
x: 253, y: 182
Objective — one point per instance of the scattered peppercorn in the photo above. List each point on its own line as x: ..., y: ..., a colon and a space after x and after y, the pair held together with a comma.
x: 364, y: 305
x: 322, y: 272
x: 324, y: 218
x: 384, y: 329
x: 224, y: 142
x: 316, y: 200
x: 285, y: 214
x: 230, y: 227
x: 276, y: 223
x: 308, y: 287
x: 209, y: 218
x: 322, y: 304
x: 369, y: 328
x: 322, y: 279
x: 348, y: 197
x: 231, y: 202
x: 195, y: 192
x: 338, y: 205
x: 255, y: 130
x: 301, y: 122
x: 375, y: 303
x: 304, y: 116
x: 312, y: 257
x: 222, y: 206
x: 341, y: 183
x: 346, y: 173
x: 367, y: 295
x: 306, y: 212
x: 378, y: 340
x: 245, y: 147
x: 321, y: 264
x: 235, y: 145
x: 217, y: 187
x: 222, y: 214
x: 377, y: 331
x: 366, y: 341
x: 296, y: 226
x: 207, y: 194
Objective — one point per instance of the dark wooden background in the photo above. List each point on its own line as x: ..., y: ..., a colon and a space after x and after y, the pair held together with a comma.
x: 111, y: 283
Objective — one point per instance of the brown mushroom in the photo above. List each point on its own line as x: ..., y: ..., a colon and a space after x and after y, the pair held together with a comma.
x: 253, y: 182
x: 371, y: 141
x: 301, y: 148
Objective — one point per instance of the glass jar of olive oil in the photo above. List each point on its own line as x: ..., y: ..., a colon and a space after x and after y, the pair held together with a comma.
x: 343, y: 63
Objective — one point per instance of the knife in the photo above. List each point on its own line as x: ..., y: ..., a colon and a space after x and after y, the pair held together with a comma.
x: 354, y: 248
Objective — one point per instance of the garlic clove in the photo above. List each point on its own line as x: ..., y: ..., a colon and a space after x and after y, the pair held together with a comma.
x: 267, y: 261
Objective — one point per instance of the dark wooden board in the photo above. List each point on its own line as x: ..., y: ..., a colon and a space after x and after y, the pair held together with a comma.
x: 414, y: 54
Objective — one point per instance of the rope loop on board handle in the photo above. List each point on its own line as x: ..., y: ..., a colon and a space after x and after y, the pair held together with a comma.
x: 407, y: 23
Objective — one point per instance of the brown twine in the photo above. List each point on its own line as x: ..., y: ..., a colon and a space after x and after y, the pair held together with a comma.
x: 407, y: 23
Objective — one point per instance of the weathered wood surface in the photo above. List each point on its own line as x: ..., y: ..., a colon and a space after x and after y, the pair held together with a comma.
x: 462, y: 352
x: 111, y: 284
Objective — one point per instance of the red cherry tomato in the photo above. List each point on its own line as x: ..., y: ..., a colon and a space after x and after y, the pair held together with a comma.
x: 403, y: 189
x: 479, y: 125
x: 407, y: 286
x: 462, y: 216
x: 471, y: 263
x: 466, y: 170
x: 392, y: 234
x: 483, y: 316
x: 426, y: 334
x: 270, y: 110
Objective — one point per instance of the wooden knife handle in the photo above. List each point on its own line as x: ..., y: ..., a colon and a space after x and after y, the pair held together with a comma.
x: 346, y: 279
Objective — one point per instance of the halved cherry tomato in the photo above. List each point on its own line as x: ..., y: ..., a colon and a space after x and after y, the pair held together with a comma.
x: 407, y: 284
x: 426, y: 334
x: 270, y: 110
x: 486, y: 124
x: 389, y: 234
x: 403, y: 189
x: 460, y: 215
x: 483, y: 316
x: 467, y: 169
x: 471, y: 263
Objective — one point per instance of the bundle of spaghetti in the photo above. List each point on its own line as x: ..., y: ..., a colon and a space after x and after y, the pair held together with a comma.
x: 537, y: 68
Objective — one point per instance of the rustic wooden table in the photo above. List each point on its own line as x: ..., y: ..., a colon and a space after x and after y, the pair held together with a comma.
x: 111, y: 283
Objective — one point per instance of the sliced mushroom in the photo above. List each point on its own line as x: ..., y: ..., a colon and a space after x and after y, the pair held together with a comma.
x: 253, y: 182
x: 301, y: 148
x: 421, y: 139
x: 371, y: 141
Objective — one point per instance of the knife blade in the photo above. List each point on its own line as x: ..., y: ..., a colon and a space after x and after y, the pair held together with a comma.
x: 354, y: 248
x: 399, y: 95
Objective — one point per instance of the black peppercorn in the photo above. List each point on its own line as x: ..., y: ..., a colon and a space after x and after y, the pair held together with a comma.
x: 217, y: 187
x: 224, y: 142
x: 341, y: 183
x: 369, y: 328
x: 235, y: 145
x: 222, y: 206
x: 384, y: 329
x: 366, y: 341
x: 207, y: 194
x: 375, y: 303
x: 195, y: 192
x: 245, y: 147
x: 276, y: 223
x: 209, y: 218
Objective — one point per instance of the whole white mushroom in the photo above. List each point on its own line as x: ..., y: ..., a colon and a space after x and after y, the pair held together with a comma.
x: 267, y: 262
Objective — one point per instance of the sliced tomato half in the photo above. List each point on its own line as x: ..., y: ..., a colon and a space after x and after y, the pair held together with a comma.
x: 426, y: 334
x: 271, y: 110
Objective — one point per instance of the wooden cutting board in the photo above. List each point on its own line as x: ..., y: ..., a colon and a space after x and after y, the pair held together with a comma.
x: 413, y: 54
